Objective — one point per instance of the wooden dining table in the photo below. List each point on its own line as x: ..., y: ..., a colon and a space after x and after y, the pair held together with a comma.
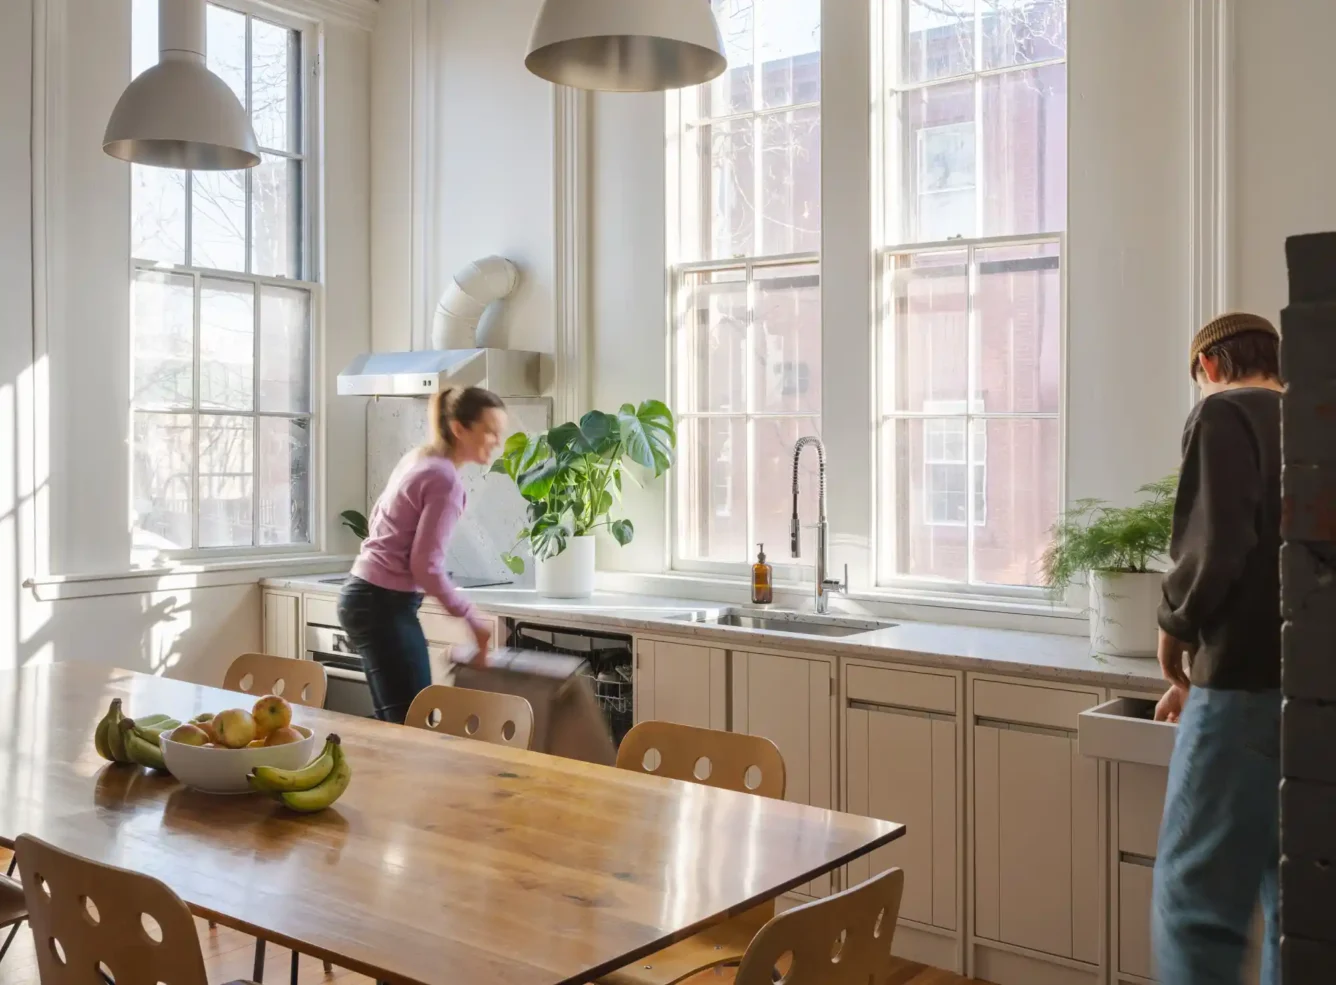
x: 446, y: 861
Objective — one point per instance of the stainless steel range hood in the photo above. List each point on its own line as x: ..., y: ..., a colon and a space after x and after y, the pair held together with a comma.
x: 507, y: 372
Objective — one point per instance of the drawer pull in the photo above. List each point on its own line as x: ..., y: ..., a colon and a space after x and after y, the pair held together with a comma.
x: 997, y: 723
x: 881, y: 708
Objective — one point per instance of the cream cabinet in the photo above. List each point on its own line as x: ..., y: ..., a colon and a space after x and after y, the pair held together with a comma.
x: 681, y: 683
x: 1038, y: 849
x: 281, y: 624
x: 791, y: 701
x: 903, y: 761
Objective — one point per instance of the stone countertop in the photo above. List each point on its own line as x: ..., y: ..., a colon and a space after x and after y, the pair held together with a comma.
x: 1051, y: 657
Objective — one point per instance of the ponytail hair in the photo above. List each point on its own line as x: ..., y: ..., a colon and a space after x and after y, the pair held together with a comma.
x: 453, y: 404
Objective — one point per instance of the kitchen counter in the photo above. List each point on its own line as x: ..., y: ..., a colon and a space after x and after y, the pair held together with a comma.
x: 1042, y: 655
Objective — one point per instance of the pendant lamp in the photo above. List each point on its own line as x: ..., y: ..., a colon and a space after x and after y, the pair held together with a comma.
x: 178, y: 114
x: 626, y: 45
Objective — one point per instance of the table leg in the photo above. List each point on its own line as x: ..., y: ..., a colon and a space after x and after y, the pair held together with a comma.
x: 257, y: 973
x: 296, y: 960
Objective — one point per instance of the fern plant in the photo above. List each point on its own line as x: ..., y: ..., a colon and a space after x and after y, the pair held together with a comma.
x: 1093, y: 536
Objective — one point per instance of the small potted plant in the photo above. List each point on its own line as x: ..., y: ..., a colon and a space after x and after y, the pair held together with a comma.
x: 572, y: 477
x: 1119, y: 549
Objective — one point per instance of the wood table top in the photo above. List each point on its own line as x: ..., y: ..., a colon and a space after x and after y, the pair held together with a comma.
x: 447, y: 860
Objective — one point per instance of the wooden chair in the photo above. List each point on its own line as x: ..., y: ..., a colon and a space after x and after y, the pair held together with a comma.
x: 302, y: 682
x: 729, y: 761
x: 489, y: 716
x: 13, y: 910
x: 94, y: 923
x: 843, y: 939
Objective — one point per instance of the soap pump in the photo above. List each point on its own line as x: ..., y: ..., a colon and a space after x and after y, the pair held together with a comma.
x: 763, y: 590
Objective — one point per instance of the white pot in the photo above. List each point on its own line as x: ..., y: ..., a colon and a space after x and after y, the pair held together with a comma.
x: 569, y: 575
x: 1122, y: 612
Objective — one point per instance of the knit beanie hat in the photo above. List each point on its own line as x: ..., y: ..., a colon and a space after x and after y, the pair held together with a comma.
x: 1226, y: 327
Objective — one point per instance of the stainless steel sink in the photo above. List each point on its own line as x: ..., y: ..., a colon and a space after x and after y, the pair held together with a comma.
x: 796, y: 623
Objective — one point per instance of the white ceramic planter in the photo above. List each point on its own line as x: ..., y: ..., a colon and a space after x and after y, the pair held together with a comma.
x: 569, y: 575
x: 1122, y: 612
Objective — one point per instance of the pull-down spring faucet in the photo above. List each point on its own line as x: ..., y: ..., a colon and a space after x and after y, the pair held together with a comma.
x: 824, y: 585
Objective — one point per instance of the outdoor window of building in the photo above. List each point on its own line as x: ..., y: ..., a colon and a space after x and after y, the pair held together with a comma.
x: 745, y: 232
x: 973, y: 142
x: 221, y: 314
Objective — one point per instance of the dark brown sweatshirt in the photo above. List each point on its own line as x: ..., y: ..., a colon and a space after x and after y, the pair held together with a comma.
x: 1223, y: 591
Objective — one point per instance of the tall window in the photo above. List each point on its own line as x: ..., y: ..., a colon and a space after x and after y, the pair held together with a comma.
x: 974, y: 180
x: 745, y: 232
x: 221, y: 314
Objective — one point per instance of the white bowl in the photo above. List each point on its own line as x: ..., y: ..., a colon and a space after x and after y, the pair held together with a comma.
x: 224, y: 770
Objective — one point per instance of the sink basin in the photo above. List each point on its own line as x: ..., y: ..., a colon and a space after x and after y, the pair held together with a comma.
x: 794, y: 623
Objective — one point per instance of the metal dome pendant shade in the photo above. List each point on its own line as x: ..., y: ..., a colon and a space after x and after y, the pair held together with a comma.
x: 178, y: 114
x: 626, y: 45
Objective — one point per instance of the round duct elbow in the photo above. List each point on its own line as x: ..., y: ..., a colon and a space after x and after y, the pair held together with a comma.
x: 479, y: 285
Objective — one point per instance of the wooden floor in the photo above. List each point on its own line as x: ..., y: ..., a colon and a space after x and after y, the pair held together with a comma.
x: 229, y: 956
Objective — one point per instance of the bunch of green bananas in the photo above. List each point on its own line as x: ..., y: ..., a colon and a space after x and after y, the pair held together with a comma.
x: 313, y: 787
x: 124, y: 740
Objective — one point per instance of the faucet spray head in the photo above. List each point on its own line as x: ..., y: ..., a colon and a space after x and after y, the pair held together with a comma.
x: 795, y: 533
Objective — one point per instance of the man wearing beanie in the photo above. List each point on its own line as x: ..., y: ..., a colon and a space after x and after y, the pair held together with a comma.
x: 1220, y: 650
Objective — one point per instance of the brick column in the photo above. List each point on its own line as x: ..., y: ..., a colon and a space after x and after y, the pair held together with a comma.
x: 1308, y: 601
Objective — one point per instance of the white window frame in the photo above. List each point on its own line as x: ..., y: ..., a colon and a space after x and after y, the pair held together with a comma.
x: 889, y: 161
x: 311, y: 282
x: 677, y: 297
x: 682, y: 211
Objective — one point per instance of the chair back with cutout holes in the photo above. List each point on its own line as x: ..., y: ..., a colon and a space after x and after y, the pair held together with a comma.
x: 301, y: 682
x: 728, y: 760
x: 841, y: 940
x: 489, y: 716
x: 91, y: 920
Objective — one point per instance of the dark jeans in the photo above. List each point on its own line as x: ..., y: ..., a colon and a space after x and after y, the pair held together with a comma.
x: 383, y: 626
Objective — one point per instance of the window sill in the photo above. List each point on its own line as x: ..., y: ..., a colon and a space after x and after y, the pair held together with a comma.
x: 182, y: 575
x: 987, y: 612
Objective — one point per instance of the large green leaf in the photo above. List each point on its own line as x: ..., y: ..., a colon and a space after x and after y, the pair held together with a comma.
x: 623, y: 531
x: 549, y: 536
x: 649, y: 435
x: 596, y: 434
x: 515, y: 564
x: 536, y: 483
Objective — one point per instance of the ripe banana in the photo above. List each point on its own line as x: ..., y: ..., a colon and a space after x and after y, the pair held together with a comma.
x: 327, y: 791
x: 154, y: 721
x: 154, y: 733
x: 267, y: 779
x: 141, y: 749
x: 115, y: 737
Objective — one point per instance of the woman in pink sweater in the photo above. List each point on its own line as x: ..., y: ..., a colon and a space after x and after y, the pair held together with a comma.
x: 403, y: 556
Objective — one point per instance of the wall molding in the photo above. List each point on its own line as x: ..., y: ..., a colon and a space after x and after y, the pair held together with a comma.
x: 1211, y: 249
x: 355, y: 13
x: 571, y: 202
x: 422, y: 155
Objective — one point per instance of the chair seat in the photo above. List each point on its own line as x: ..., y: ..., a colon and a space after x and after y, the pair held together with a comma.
x: 722, y: 944
x: 13, y: 907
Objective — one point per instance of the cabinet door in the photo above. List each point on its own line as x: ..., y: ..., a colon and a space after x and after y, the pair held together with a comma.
x: 1036, y: 841
x: 791, y: 701
x: 681, y: 683
x: 901, y: 766
x: 282, y: 624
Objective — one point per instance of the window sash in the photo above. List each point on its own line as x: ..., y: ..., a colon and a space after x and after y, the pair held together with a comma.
x: 889, y: 511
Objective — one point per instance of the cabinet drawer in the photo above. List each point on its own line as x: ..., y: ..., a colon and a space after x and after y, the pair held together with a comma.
x: 441, y: 628
x: 322, y: 610
x: 1140, y: 806
x: 1125, y: 730
x: 1028, y: 705
x: 901, y: 689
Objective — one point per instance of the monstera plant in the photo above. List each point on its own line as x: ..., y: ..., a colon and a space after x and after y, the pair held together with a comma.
x: 572, y: 476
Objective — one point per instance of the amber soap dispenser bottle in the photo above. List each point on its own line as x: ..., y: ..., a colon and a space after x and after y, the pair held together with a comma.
x: 763, y: 589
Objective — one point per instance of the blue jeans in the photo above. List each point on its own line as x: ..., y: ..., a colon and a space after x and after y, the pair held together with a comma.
x: 383, y: 626
x: 1219, y: 840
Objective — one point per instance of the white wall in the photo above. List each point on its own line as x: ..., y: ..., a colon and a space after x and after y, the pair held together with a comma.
x: 68, y: 360
x: 463, y: 165
x: 1284, y: 143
